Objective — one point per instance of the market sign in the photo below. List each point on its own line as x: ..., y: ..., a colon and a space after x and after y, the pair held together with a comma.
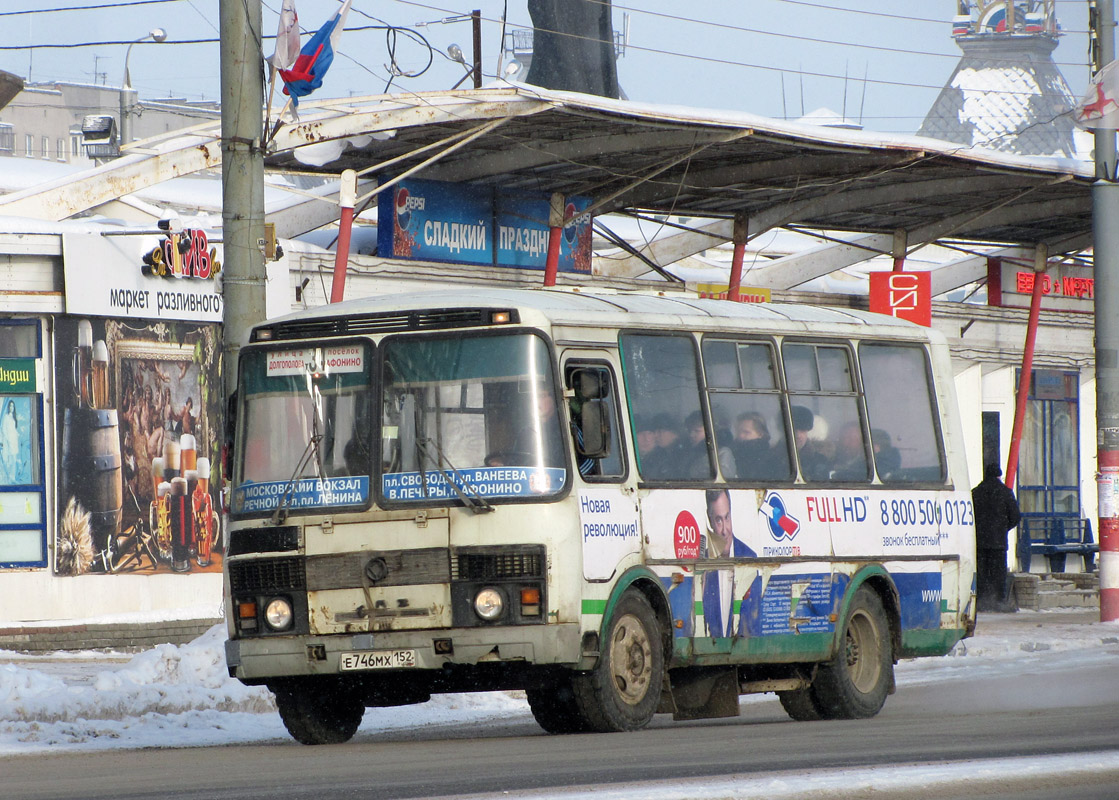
x: 1064, y: 287
x: 472, y: 224
x: 113, y: 276
x: 905, y: 295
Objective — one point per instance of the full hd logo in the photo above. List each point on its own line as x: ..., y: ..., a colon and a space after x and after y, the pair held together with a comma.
x: 782, y: 526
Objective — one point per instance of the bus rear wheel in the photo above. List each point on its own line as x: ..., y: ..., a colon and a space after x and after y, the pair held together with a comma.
x: 623, y: 690
x: 318, y: 715
x: 854, y: 684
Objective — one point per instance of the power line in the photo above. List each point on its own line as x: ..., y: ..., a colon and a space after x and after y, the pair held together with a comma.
x: 122, y: 4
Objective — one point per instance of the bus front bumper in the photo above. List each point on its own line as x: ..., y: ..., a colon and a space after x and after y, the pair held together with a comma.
x: 259, y: 659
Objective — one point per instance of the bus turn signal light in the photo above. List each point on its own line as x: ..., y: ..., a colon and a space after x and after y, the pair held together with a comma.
x: 530, y: 602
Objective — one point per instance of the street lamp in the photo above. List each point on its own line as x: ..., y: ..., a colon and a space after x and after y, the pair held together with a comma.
x: 127, y: 95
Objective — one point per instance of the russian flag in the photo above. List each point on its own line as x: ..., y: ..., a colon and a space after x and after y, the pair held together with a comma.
x: 315, y: 58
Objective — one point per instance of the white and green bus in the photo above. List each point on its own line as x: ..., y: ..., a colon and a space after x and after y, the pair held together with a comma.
x: 620, y: 503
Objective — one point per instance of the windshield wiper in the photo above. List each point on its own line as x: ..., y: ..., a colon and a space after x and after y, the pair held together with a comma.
x: 474, y: 501
x: 281, y: 512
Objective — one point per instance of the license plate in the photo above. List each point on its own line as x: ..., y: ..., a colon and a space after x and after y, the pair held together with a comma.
x: 377, y: 659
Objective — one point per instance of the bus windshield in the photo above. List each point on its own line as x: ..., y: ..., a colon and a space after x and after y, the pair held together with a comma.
x: 306, y: 429
x: 470, y: 419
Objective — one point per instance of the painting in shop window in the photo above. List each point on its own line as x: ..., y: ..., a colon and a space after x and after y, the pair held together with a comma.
x: 139, y: 414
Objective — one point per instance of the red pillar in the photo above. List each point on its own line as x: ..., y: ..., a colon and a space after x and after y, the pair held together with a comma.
x: 1107, y: 485
x: 740, y: 234
x: 1027, y: 369
x: 555, y: 231
x: 347, y: 197
x: 901, y: 245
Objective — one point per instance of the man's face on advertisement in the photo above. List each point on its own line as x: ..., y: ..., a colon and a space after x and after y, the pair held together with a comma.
x: 721, y: 528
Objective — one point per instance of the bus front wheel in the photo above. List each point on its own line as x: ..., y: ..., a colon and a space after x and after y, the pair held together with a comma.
x: 623, y: 690
x: 854, y: 684
x: 319, y: 716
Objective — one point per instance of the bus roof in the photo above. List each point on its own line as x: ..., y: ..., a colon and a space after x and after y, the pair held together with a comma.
x: 608, y: 308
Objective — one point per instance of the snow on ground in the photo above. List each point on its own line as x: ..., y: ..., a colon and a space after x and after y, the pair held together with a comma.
x: 181, y: 696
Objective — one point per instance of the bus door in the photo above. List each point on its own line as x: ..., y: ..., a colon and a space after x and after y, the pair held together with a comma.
x: 606, y: 492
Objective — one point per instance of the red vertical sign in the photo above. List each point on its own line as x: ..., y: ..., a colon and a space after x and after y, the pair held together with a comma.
x: 906, y: 295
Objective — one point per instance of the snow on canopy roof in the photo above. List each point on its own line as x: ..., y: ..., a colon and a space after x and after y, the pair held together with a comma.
x: 701, y: 163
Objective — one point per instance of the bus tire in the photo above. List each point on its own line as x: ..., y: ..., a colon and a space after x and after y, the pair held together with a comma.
x: 800, y: 705
x: 854, y: 684
x: 623, y: 690
x: 319, y: 717
x: 555, y: 707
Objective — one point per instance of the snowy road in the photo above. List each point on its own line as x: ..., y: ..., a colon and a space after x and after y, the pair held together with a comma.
x: 1039, y: 686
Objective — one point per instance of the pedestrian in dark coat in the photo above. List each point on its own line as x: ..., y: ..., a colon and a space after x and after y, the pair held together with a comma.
x: 996, y: 513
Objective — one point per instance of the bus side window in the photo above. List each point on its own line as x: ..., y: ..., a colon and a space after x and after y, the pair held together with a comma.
x: 595, y: 429
x: 827, y: 424
x: 662, y: 383
x: 747, y: 409
x: 903, y: 418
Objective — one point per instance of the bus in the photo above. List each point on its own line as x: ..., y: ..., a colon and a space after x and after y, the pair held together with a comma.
x: 621, y: 503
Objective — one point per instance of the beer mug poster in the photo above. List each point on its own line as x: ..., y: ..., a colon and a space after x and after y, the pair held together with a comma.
x: 139, y: 414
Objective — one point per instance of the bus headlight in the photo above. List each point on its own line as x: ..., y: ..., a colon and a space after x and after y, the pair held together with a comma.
x: 489, y: 604
x: 278, y: 614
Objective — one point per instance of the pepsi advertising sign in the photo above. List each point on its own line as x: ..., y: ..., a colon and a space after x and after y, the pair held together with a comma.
x: 471, y: 224
x: 436, y: 222
x: 522, y: 232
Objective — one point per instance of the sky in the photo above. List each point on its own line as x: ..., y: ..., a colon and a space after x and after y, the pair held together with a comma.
x: 182, y: 696
x: 878, y: 61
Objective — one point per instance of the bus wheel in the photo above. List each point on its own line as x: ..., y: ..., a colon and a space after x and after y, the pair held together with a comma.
x: 319, y: 717
x: 800, y: 705
x: 855, y: 683
x: 555, y: 708
x: 623, y: 690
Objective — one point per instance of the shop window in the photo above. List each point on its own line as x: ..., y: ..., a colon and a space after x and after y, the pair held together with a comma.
x: 22, y: 511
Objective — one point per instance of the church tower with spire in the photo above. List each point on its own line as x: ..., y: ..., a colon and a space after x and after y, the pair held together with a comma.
x: 1006, y: 92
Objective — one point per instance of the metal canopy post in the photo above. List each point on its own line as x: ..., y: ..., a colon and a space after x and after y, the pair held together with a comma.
x: 1041, y: 257
x: 1105, y: 210
x: 347, y: 199
x: 555, y: 231
x: 741, y: 233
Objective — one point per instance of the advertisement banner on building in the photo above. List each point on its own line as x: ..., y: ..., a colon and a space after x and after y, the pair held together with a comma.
x: 1064, y: 287
x: 905, y: 295
x: 170, y: 276
x: 139, y: 414
x: 436, y: 221
x: 522, y: 232
x: 470, y: 224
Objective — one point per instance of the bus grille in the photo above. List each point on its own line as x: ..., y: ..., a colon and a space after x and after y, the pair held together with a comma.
x: 267, y: 575
x: 499, y: 564
x: 435, y: 319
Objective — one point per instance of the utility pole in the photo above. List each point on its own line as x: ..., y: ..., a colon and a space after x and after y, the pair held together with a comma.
x: 242, y: 177
x: 1105, y: 243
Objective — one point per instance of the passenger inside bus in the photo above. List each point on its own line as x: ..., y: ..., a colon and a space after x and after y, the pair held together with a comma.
x: 850, y: 456
x: 752, y: 447
x: 814, y: 462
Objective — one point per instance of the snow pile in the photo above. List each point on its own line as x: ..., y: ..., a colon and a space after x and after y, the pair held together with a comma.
x: 174, y: 696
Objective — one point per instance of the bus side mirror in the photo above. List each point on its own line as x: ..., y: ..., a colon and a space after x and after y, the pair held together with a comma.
x: 589, y: 384
x: 594, y: 425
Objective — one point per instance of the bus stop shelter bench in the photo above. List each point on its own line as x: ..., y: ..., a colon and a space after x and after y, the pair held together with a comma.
x: 1054, y: 538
